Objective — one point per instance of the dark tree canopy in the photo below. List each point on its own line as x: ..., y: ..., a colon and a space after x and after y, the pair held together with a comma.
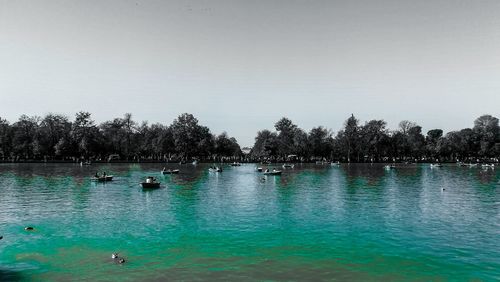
x: 57, y: 137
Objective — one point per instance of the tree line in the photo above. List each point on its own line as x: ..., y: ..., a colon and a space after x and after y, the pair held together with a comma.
x: 374, y: 142
x: 56, y: 137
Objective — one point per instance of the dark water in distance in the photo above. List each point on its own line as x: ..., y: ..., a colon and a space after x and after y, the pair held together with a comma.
x: 355, y: 222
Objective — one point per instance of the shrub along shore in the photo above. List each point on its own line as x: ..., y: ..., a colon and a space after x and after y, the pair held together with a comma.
x: 57, y: 139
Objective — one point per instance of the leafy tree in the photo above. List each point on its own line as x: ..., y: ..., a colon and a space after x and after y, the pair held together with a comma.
x: 25, y: 136
x: 84, y: 134
x: 53, y: 128
x: 320, y: 141
x: 5, y: 139
x: 286, y: 133
x: 226, y: 146
x: 188, y: 135
x: 432, y: 140
x: 487, y: 128
x: 265, y: 146
x: 372, y: 135
x: 350, y: 138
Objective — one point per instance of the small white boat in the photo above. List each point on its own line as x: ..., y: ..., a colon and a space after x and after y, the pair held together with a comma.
x: 259, y: 169
x: 195, y: 162
x: 488, y: 165
x: 288, y: 165
x: 215, y: 169
x: 335, y: 163
x: 235, y: 164
x: 273, y: 172
x: 436, y: 165
x: 389, y: 167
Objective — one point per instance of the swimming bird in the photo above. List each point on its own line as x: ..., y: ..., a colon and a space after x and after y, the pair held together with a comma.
x: 1, y: 237
x: 28, y: 228
x: 117, y: 259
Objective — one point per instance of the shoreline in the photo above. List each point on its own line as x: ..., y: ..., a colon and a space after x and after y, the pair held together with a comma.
x: 207, y: 162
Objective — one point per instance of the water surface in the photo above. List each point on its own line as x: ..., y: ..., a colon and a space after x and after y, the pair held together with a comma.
x: 353, y: 222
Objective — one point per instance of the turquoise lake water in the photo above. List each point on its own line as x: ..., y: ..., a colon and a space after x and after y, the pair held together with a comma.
x: 348, y: 223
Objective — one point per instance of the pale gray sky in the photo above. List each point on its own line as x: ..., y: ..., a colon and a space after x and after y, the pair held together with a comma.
x: 241, y: 65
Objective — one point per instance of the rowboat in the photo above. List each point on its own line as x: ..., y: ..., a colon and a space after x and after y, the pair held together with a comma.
x: 436, y: 165
x: 274, y: 172
x: 259, y: 169
x: 288, y: 165
x: 235, y: 164
x: 388, y: 167
x: 102, y: 178
x: 170, y: 171
x: 216, y: 169
x: 150, y: 183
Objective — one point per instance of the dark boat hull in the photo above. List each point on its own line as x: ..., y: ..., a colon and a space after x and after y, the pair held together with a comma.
x: 176, y: 171
x: 103, y: 179
x: 146, y: 185
x: 273, y: 173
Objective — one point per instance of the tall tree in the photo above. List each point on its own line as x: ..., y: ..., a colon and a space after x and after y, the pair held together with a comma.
x: 350, y: 137
x: 5, y: 139
x: 25, y: 137
x: 53, y: 128
x: 372, y: 135
x: 84, y: 134
x: 320, y: 141
x: 487, y: 128
x: 433, y: 142
x: 188, y: 135
x: 265, y: 146
x: 286, y: 133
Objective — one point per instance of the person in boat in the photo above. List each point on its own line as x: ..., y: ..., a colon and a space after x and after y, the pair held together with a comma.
x: 164, y: 169
x: 96, y: 174
x: 104, y: 174
x: 267, y: 170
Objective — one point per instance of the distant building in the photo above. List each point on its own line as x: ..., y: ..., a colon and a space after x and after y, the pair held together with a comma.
x: 246, y: 150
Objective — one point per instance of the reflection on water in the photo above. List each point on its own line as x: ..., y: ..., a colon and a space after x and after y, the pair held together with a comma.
x: 352, y: 222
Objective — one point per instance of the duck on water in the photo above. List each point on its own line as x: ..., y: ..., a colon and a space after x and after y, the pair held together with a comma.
x: 117, y: 258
